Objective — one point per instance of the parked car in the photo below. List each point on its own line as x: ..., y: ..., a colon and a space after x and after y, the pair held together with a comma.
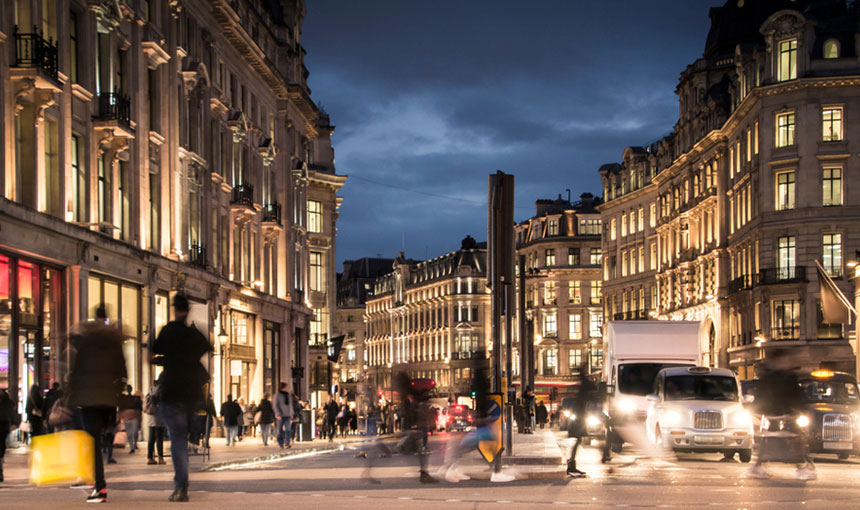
x: 699, y: 409
x: 458, y: 417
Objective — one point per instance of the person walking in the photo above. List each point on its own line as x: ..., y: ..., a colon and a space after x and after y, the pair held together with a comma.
x: 35, y: 403
x: 53, y: 395
x: 297, y: 416
x: 251, y: 419
x: 230, y: 412
x: 95, y: 382
x: 155, y: 443
x: 283, y: 411
x: 529, y: 405
x: 576, y: 425
x: 130, y: 412
x: 541, y: 414
x: 331, y: 411
x: 178, y: 349
x: 8, y: 419
x: 267, y: 418
x: 241, y: 419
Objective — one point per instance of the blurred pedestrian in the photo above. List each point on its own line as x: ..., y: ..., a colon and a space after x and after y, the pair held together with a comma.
x: 297, y: 416
x: 541, y: 414
x: 130, y: 412
x: 577, y: 423
x: 178, y: 349
x: 529, y: 408
x: 331, y: 411
x: 230, y: 412
x: 8, y: 419
x: 241, y: 418
x: 251, y: 419
x: 95, y: 382
x: 35, y: 403
x: 780, y: 399
x: 267, y: 418
x: 54, y: 394
x: 283, y: 410
x: 155, y: 443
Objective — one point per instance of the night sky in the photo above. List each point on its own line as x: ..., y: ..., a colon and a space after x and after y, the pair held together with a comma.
x: 429, y: 97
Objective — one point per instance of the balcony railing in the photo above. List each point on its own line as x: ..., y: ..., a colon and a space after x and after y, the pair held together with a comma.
x: 272, y: 212
x: 115, y: 106
x: 33, y: 51
x: 197, y: 255
x: 740, y: 283
x: 781, y: 275
x: 791, y: 332
x: 243, y: 194
x: 632, y: 315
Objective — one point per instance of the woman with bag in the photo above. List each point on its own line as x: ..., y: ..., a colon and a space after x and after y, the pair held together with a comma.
x: 156, y: 427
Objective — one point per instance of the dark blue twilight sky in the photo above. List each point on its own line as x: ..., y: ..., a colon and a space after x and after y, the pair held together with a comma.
x: 429, y: 97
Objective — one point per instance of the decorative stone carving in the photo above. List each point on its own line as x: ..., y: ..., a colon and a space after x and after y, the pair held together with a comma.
x: 44, y: 100
x: 179, y: 281
x: 785, y: 26
x: 175, y: 7
x: 25, y: 87
x: 107, y: 12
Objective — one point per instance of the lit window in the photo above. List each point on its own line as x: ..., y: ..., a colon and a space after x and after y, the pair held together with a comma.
x: 550, y: 327
x: 575, y: 360
x: 315, y: 223
x: 594, y: 257
x: 832, y: 254
x: 575, y: 326
x: 549, y: 293
x: 786, y: 319
x: 550, y: 362
x: 787, y: 60
x: 831, y: 48
x: 595, y: 324
x: 595, y: 292
x: 785, y: 129
x: 785, y: 258
x: 573, y: 257
x: 641, y: 219
x: 574, y: 292
x: 549, y: 258
x: 316, y: 275
x: 652, y: 220
x: 553, y: 228
x: 785, y: 191
x: 623, y: 225
x: 831, y: 124
x: 831, y: 186
x: 612, y: 225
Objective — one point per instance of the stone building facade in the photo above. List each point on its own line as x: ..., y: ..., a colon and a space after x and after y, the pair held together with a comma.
x: 430, y: 319
x: 562, y: 252
x: 754, y: 183
x: 354, y: 287
x: 155, y: 147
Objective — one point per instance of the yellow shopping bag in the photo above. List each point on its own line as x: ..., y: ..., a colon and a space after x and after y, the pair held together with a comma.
x: 65, y: 457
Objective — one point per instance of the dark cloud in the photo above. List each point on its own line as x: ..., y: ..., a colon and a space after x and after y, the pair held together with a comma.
x: 431, y: 97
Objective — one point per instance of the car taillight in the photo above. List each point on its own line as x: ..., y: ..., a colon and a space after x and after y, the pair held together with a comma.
x: 469, y: 418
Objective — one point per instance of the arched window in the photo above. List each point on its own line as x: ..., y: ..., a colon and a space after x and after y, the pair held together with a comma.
x: 831, y: 48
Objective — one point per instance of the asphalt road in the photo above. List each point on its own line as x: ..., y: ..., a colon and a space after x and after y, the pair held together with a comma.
x: 335, y: 480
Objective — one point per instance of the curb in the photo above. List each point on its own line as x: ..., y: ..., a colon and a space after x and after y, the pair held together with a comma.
x: 217, y: 466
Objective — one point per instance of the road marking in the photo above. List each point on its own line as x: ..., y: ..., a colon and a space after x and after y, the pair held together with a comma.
x: 504, y: 501
x: 404, y: 497
x: 453, y: 500
x: 359, y: 497
x: 317, y: 495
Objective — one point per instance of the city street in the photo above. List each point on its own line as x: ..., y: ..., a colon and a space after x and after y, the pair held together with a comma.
x: 334, y: 479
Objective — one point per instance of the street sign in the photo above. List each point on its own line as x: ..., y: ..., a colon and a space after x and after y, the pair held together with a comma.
x: 492, y: 445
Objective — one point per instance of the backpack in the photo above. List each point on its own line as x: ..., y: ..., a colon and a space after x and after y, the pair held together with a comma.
x: 150, y: 407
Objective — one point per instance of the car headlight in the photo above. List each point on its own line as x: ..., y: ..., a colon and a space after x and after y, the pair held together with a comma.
x: 741, y: 418
x: 592, y: 421
x: 572, y: 417
x: 672, y: 418
x: 802, y: 421
x: 566, y: 413
x: 626, y: 406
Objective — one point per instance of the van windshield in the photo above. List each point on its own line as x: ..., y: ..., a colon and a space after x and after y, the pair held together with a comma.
x: 638, y: 378
x: 701, y: 387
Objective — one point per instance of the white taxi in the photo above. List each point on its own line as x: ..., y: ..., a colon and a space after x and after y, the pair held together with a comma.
x: 699, y: 409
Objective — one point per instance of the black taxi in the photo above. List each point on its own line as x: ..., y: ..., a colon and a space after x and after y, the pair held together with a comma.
x: 833, y: 410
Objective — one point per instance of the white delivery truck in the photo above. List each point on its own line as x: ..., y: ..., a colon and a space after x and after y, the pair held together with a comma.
x: 634, y: 351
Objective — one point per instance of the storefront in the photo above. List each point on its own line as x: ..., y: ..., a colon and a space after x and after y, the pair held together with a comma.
x: 241, y: 358
x: 32, y: 326
x: 271, y: 357
x: 122, y: 301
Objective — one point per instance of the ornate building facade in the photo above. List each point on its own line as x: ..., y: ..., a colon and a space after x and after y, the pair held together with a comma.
x: 562, y: 252
x: 430, y: 319
x: 753, y: 186
x: 155, y: 147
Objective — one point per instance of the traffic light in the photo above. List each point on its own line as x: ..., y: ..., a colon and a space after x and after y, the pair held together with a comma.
x: 473, y: 394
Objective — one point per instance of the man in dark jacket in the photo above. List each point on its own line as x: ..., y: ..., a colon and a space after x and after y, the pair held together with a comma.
x: 576, y: 424
x: 331, y: 411
x: 267, y: 418
x: 53, y: 395
x: 96, y: 380
x: 230, y: 412
x: 178, y: 349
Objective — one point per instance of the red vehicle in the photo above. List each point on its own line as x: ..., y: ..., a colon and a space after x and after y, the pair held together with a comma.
x: 456, y: 417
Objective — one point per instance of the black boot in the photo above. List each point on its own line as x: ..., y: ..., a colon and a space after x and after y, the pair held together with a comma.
x: 426, y: 478
x: 180, y: 494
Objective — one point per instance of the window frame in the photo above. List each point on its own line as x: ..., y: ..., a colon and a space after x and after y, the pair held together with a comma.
x: 786, y: 55
x: 785, y: 133
x: 836, y: 199
x: 841, y: 122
